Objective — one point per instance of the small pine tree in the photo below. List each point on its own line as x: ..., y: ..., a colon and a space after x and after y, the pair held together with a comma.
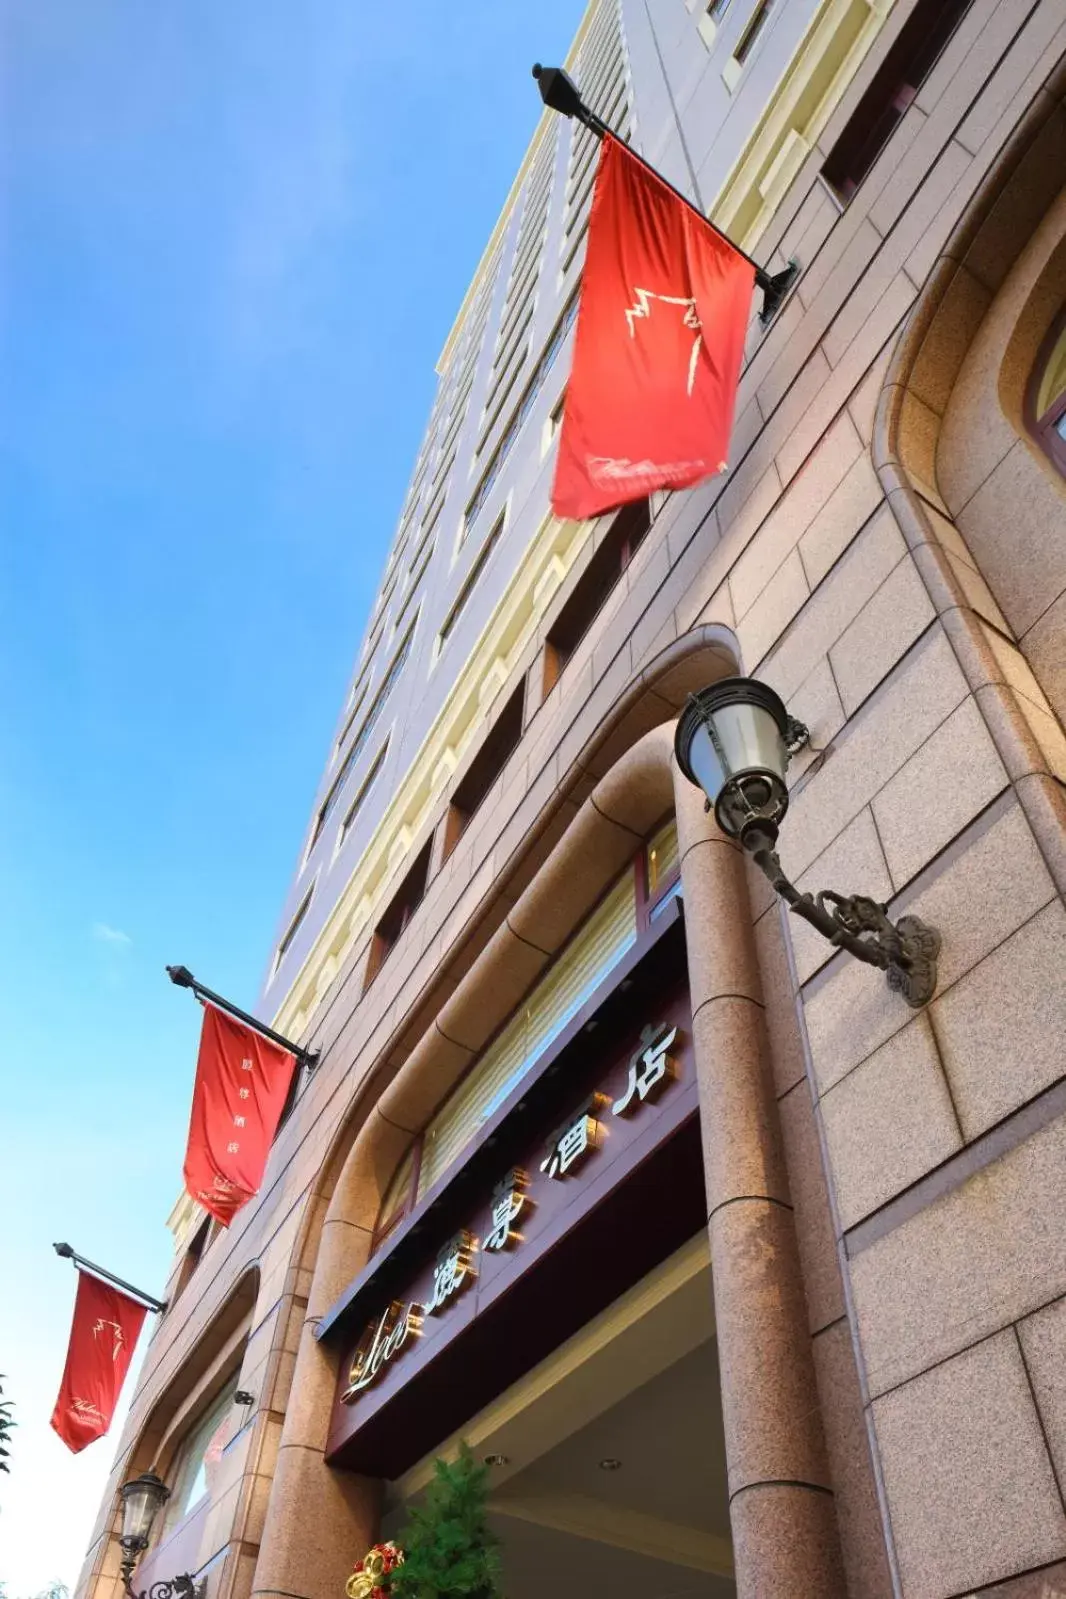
x: 449, y: 1552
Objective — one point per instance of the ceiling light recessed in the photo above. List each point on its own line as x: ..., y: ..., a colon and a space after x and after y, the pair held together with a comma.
x: 497, y: 1460
x: 609, y: 1463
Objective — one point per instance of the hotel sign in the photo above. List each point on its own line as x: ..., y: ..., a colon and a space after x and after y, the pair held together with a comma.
x: 515, y: 1274
x: 651, y: 1068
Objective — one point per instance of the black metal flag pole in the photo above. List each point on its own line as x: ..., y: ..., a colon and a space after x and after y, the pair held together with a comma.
x: 182, y: 976
x: 153, y: 1304
x: 560, y: 93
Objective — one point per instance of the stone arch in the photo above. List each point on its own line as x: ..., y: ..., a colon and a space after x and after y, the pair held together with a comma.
x: 191, y: 1387
x: 651, y: 698
x: 981, y: 509
x: 783, y: 1507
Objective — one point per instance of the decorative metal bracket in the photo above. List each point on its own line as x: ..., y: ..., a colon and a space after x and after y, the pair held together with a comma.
x: 182, y: 1587
x: 906, y: 951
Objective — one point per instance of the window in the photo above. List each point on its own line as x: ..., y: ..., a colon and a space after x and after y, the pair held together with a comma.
x: 754, y: 27
x: 901, y: 74
x: 359, y: 695
x: 293, y: 928
x: 1046, y: 400
x: 388, y: 683
x: 364, y: 789
x: 575, y: 974
x: 398, y: 1195
x: 662, y: 870
x: 198, y: 1454
x: 709, y: 20
x: 485, y: 768
x: 470, y: 583
x: 553, y: 424
x: 518, y: 416
x: 624, y: 537
x: 400, y: 909
x: 192, y: 1257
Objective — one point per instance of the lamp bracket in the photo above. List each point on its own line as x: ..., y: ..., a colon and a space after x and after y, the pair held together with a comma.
x: 906, y: 951
x: 182, y: 1587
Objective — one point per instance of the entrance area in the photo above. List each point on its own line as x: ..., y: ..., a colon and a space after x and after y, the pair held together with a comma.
x: 607, y: 1461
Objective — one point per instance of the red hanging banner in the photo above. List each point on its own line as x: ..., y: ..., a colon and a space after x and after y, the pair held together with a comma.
x: 103, y: 1336
x: 242, y: 1080
x: 664, y: 310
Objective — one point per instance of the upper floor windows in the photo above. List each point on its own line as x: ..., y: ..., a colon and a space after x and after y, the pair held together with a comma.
x: 624, y: 536
x: 894, y: 86
x: 364, y: 789
x: 470, y: 582
x: 1046, y: 400
x: 510, y: 433
x: 502, y: 740
x: 752, y: 29
x: 293, y: 927
x: 398, y: 912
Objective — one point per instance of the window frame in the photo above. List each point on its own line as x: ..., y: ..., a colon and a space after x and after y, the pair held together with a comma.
x: 1048, y: 430
x: 648, y: 906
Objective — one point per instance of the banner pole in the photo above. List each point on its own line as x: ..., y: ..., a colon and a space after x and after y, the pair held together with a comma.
x: 560, y: 93
x: 183, y: 978
x: 157, y: 1306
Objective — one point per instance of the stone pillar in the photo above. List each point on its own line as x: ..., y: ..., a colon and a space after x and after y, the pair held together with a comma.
x: 782, y: 1510
x: 319, y: 1520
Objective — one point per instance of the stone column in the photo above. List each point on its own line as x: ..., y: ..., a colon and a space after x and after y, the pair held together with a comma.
x: 782, y: 1510
x: 319, y: 1520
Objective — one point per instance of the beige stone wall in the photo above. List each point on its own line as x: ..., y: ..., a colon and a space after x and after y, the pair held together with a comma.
x: 887, y: 552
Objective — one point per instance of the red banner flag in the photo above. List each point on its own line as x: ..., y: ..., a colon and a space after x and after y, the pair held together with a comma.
x: 242, y: 1080
x: 103, y: 1336
x: 660, y: 337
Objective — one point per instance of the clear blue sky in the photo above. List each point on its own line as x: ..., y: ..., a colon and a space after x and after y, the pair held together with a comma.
x: 233, y: 236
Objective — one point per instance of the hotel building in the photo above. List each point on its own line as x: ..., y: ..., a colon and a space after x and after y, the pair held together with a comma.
x: 746, y: 1277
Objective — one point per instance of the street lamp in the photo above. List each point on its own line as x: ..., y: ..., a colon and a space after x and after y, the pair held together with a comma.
x: 734, y: 741
x: 142, y: 1499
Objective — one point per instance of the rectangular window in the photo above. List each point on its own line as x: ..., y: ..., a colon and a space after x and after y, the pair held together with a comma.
x: 919, y: 44
x: 502, y: 740
x: 198, y: 1456
x: 364, y: 789
x: 514, y: 426
x: 400, y: 909
x: 293, y: 928
x: 624, y: 537
x: 662, y: 861
x: 755, y: 25
x: 573, y: 978
x: 459, y: 604
x: 388, y: 682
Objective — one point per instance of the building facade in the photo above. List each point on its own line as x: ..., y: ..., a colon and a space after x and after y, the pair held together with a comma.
x: 745, y: 1277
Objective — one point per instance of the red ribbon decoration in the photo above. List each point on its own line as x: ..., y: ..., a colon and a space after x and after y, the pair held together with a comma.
x: 242, y: 1081
x: 103, y: 1336
x: 665, y: 302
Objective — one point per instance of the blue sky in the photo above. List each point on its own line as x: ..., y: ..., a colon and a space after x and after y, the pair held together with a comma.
x: 233, y: 236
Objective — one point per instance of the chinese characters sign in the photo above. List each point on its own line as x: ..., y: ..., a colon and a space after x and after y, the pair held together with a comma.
x: 569, y: 1152
x: 242, y: 1080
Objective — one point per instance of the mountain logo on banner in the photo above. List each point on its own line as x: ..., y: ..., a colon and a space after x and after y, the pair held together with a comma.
x: 691, y: 319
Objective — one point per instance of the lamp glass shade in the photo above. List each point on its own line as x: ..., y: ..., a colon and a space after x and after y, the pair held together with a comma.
x: 731, y: 742
x: 141, y: 1501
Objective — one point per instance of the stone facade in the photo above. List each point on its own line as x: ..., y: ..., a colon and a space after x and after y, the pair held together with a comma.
x: 888, y: 551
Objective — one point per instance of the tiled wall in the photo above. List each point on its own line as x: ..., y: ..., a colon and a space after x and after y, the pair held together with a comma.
x: 859, y: 559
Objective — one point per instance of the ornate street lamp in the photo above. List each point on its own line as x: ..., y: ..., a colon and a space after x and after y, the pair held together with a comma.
x: 734, y: 741
x: 142, y: 1499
